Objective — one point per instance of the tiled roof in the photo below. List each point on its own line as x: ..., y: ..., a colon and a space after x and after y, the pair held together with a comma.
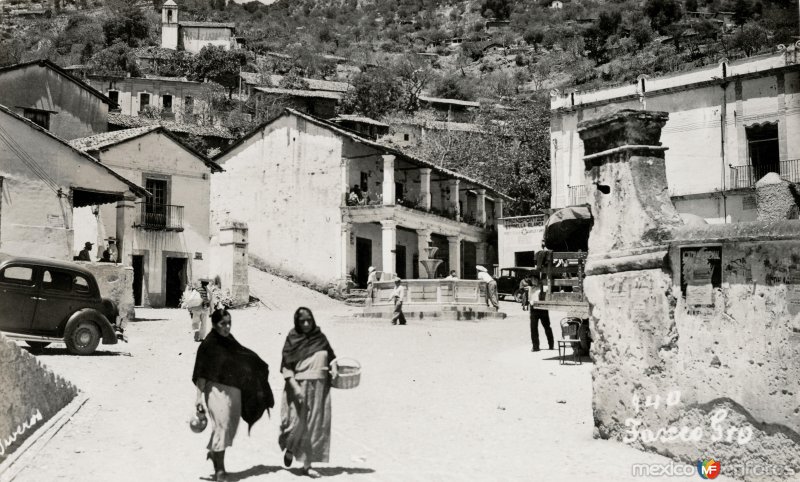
x: 208, y: 24
x: 170, y: 79
x: 135, y: 188
x: 438, y: 100
x: 99, y: 141
x: 253, y: 78
x: 362, y: 140
x: 153, y: 52
x: 106, y: 139
x: 358, y: 118
x: 123, y: 120
x: 317, y: 94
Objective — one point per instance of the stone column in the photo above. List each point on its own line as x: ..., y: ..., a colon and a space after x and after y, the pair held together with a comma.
x: 425, y: 187
x: 454, y: 185
x: 345, y: 170
x: 481, y: 211
x: 344, y: 253
x: 454, y: 245
x: 388, y: 245
x: 126, y: 212
x: 389, y: 197
x: 231, y: 261
x: 498, y: 208
x: 423, y: 241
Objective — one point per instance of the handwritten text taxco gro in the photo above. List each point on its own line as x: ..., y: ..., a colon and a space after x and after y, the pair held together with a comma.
x: 672, y: 433
x: 26, y: 425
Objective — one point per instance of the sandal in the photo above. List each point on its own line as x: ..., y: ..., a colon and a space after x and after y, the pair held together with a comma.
x: 287, y: 459
x: 309, y: 472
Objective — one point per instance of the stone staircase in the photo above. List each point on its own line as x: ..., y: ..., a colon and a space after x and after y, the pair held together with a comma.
x: 356, y: 297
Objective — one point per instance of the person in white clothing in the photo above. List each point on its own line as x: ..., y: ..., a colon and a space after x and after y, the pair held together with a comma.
x: 491, y: 286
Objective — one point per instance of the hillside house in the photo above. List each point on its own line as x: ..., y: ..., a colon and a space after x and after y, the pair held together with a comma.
x: 299, y: 163
x: 43, y: 181
x: 170, y: 229
x: 451, y: 110
x: 54, y: 99
x: 364, y: 126
x: 193, y: 36
x: 729, y: 125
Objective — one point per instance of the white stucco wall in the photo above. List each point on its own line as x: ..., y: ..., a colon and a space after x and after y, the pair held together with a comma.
x: 285, y: 183
x: 189, y: 186
x: 373, y: 232
x: 34, y: 219
x: 195, y: 38
x: 694, y: 161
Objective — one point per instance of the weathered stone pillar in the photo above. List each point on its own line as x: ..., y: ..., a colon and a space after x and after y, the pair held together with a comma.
x: 425, y: 187
x: 628, y: 286
x: 232, y: 260
x: 481, y: 211
x: 498, y: 208
x: 774, y: 200
x: 344, y: 253
x: 345, y: 173
x: 454, y: 185
x: 126, y: 212
x: 388, y: 245
x: 389, y: 197
x: 454, y: 246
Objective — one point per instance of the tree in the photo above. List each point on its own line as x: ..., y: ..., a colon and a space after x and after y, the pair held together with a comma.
x: 641, y: 33
x: 452, y: 86
x: 375, y: 93
x: 534, y: 37
x: 114, y: 60
x: 500, y: 9
x: 663, y: 13
x: 127, y: 23
x: 220, y: 65
x: 413, y: 76
x: 750, y: 39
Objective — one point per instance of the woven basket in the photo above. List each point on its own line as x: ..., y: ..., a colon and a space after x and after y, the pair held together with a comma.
x: 349, y: 374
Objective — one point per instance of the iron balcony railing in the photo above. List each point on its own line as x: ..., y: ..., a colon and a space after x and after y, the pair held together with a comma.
x: 747, y: 176
x: 159, y: 216
x: 577, y: 195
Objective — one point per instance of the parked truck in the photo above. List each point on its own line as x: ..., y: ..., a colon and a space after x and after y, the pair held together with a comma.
x: 561, y: 267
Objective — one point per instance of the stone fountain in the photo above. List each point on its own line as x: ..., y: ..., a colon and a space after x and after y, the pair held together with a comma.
x: 431, y: 264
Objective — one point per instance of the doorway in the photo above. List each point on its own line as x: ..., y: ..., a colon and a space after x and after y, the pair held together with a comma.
x: 138, y: 278
x: 763, y: 150
x: 469, y: 258
x: 400, y: 261
x: 363, y: 261
x: 176, y: 281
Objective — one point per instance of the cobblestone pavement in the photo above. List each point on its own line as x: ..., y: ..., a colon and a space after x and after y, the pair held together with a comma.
x: 439, y: 400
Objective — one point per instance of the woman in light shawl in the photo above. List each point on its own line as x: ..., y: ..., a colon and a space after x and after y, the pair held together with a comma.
x: 306, y: 406
x: 232, y: 382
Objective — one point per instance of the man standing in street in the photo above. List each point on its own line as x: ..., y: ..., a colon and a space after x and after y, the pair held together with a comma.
x: 538, y: 315
x: 491, y: 287
x: 398, y: 295
x: 200, y: 323
x: 371, y: 279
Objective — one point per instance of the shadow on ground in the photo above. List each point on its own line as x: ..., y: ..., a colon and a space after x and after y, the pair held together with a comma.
x: 64, y: 351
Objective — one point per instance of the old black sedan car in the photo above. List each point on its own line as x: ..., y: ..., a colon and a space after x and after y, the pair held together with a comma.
x: 508, y: 282
x: 44, y: 301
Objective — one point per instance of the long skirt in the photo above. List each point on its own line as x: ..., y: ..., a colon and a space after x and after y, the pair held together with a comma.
x: 224, y: 409
x: 306, y: 430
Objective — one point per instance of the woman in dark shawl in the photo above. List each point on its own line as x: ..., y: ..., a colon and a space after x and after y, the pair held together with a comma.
x: 306, y: 405
x: 231, y: 381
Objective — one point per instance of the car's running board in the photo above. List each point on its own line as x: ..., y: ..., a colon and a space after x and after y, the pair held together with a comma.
x: 18, y: 336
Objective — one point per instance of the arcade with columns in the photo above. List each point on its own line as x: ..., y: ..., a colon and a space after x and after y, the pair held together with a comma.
x: 408, y: 205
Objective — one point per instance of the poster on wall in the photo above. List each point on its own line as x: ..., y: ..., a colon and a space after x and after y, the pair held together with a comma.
x: 701, y: 274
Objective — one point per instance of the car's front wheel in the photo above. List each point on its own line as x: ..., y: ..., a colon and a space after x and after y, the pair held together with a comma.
x: 37, y: 346
x: 83, y: 338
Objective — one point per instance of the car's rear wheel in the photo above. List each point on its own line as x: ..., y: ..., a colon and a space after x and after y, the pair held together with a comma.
x: 83, y: 338
x: 37, y: 346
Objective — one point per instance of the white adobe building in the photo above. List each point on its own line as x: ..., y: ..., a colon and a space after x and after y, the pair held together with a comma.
x: 289, y: 181
x: 729, y: 124
x: 193, y: 36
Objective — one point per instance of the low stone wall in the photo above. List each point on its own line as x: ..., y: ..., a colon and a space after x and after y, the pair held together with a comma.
x: 30, y: 394
x: 116, y: 283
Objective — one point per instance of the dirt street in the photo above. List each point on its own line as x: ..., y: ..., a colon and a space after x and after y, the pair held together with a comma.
x: 438, y: 401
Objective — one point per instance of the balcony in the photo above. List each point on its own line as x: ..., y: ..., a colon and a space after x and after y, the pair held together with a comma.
x: 577, y: 195
x: 159, y: 217
x: 743, y: 177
